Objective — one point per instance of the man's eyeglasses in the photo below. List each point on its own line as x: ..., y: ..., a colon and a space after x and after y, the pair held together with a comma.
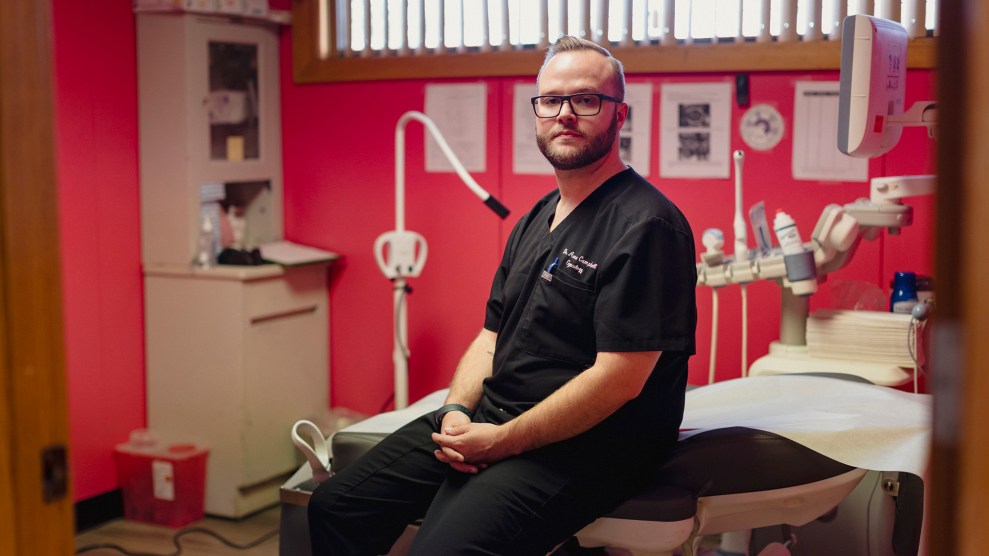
x: 583, y: 104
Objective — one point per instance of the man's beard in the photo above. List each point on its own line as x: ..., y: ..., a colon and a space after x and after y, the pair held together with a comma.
x: 571, y: 159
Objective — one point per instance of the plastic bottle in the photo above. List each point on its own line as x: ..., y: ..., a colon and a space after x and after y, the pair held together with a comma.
x: 904, y: 296
x: 206, y: 256
x: 801, y: 270
x: 787, y: 234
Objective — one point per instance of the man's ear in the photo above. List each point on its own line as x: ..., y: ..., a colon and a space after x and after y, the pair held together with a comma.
x: 622, y: 114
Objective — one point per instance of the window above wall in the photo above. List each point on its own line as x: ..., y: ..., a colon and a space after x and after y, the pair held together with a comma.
x: 334, y: 40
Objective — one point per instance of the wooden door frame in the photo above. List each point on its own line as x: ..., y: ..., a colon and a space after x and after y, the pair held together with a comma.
x: 36, y: 513
x: 959, y: 483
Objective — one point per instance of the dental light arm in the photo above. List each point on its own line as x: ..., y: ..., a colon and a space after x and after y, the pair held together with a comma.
x: 486, y: 197
x: 401, y: 253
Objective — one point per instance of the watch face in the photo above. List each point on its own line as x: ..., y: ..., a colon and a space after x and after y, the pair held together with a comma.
x: 761, y: 127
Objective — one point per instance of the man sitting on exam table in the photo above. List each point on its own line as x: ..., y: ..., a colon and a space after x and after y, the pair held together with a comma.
x: 566, y: 403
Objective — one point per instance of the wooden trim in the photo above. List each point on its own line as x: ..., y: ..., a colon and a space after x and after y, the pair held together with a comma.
x: 33, y: 400
x: 961, y: 385
x: 97, y: 510
x: 695, y: 58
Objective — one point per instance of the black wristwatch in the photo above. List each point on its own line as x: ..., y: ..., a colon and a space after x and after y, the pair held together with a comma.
x: 447, y: 409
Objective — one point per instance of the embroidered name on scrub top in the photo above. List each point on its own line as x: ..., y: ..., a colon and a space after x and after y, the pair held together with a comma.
x: 571, y: 260
x: 577, y: 262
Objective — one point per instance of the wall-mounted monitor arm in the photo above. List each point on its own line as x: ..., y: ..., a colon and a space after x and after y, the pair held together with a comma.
x: 922, y: 113
x: 458, y: 167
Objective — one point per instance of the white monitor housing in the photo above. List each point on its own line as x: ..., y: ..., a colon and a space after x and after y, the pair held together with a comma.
x: 873, y: 79
x: 871, y: 105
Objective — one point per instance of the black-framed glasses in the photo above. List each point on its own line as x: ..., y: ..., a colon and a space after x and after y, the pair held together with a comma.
x: 581, y: 104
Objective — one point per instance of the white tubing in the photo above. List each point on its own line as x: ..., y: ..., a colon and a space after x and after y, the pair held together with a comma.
x: 318, y: 455
x: 400, y: 342
x: 714, y: 334
x: 745, y: 331
x: 738, y: 224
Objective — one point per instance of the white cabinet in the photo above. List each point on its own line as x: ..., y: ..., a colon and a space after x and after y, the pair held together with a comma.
x: 235, y: 354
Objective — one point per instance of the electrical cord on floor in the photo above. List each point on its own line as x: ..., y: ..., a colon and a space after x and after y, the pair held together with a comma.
x: 178, y: 547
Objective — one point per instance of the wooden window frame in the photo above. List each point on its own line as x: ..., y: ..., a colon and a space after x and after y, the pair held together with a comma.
x: 308, y: 67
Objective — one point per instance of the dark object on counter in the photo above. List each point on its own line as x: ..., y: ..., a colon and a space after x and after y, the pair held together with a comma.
x: 240, y: 257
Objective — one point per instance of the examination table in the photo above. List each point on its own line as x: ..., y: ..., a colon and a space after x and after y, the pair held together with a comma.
x: 741, y: 464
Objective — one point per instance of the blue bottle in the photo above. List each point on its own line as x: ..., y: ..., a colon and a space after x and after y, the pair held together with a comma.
x: 904, y: 295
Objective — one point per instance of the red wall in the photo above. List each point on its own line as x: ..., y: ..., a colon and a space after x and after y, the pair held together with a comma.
x: 339, y: 195
x: 99, y: 219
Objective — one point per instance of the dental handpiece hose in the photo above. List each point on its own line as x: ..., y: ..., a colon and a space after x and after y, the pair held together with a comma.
x: 741, y: 232
x: 741, y: 252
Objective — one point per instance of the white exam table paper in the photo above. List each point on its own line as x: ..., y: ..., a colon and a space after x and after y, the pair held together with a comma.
x: 861, y: 425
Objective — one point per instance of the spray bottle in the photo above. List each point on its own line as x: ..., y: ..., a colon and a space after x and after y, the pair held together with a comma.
x: 206, y: 255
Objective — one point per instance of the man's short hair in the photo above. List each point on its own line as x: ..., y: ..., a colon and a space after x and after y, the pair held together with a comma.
x: 568, y: 43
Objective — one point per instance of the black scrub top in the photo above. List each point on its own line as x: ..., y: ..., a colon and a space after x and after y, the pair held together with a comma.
x: 618, y: 274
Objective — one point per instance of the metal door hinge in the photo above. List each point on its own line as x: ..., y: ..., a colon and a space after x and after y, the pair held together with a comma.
x: 54, y: 473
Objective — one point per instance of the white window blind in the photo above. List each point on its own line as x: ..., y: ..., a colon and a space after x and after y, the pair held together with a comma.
x: 423, y: 27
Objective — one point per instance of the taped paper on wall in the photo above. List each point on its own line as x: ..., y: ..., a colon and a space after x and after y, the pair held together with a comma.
x: 460, y: 113
x: 815, y: 136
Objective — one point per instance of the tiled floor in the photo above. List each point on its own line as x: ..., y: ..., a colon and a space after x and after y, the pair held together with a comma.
x: 146, y: 539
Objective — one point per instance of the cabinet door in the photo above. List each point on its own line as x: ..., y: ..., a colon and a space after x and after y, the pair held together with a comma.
x: 234, y: 82
x: 286, y: 370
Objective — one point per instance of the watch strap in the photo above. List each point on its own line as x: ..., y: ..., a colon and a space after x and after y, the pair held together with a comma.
x: 438, y: 415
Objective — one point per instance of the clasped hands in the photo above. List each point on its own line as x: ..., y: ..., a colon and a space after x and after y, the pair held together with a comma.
x: 469, y: 447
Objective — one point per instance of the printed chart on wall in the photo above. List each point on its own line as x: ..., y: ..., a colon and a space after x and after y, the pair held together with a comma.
x: 695, y: 130
x: 633, y: 137
x: 460, y: 113
x: 815, y: 136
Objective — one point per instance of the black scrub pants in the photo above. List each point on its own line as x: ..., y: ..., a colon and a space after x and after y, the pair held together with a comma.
x: 527, y: 504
